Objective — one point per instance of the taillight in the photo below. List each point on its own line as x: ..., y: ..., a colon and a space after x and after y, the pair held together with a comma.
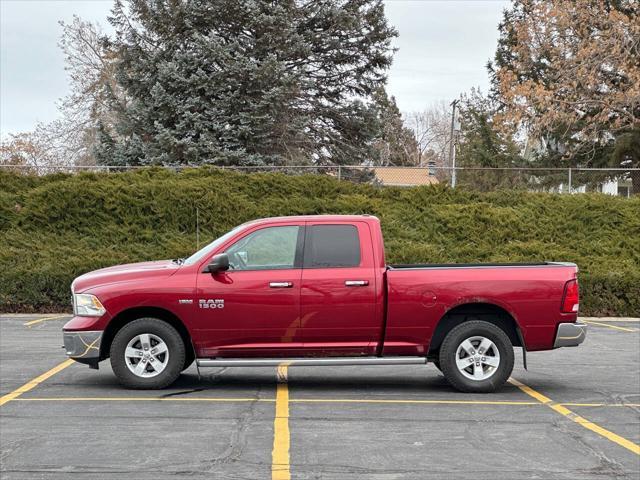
x: 571, y: 298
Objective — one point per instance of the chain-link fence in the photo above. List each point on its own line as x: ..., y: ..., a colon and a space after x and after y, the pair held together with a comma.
x: 613, y: 181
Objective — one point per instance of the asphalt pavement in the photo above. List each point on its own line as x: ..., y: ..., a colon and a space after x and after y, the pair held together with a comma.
x: 575, y: 414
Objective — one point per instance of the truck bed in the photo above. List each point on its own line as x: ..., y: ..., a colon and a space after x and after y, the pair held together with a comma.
x: 419, y: 295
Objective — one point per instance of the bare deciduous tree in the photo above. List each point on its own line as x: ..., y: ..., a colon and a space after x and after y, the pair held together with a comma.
x: 70, y: 140
x: 30, y: 152
x: 90, y: 64
x: 432, y: 129
x: 569, y: 71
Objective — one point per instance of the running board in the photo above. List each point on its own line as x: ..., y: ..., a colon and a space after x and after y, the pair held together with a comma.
x: 309, y: 362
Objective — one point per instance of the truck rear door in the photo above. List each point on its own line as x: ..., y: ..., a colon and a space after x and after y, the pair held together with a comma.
x: 338, y: 290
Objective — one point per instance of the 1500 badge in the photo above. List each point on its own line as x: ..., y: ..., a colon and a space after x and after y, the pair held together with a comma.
x: 211, y: 303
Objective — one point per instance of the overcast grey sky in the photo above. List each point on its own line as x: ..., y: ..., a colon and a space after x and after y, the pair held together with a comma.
x: 443, y: 47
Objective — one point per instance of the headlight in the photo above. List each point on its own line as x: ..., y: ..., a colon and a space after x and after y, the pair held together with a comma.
x: 87, y: 305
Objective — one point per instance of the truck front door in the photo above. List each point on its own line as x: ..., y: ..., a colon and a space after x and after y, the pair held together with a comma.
x: 253, y: 309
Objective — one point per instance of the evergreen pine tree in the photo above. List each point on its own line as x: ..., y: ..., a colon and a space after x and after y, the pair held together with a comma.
x: 246, y: 82
x: 396, y: 144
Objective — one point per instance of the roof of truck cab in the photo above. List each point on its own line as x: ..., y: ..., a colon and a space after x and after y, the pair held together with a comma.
x: 311, y: 218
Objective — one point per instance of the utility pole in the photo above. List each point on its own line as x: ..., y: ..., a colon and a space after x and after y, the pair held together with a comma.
x: 197, y: 229
x: 452, y: 143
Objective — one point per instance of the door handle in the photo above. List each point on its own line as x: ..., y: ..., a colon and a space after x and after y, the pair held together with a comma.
x: 356, y: 283
x: 281, y: 284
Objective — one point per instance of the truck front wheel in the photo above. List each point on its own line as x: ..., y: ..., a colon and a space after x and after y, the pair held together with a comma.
x: 147, y: 354
x: 476, y: 356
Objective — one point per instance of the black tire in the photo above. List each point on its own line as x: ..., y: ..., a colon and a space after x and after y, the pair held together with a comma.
x: 436, y: 363
x: 159, y: 329
x: 449, y: 351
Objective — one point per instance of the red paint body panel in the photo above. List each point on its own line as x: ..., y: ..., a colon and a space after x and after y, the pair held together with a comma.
x: 418, y: 299
x: 256, y: 319
x: 396, y: 313
x: 337, y: 319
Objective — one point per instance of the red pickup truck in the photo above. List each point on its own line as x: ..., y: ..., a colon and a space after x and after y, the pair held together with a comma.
x: 315, y: 290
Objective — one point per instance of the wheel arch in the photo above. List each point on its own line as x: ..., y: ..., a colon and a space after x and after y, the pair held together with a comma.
x: 488, y: 312
x: 131, y: 314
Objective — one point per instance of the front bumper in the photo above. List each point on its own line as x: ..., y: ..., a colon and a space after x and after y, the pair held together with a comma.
x: 570, y: 335
x: 82, y: 345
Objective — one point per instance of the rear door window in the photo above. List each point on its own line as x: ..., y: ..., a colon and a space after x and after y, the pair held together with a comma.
x: 328, y: 246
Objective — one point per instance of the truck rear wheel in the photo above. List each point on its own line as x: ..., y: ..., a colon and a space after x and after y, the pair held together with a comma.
x: 147, y: 354
x: 476, y: 356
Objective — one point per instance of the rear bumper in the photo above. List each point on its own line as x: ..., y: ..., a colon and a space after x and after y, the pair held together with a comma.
x: 82, y: 345
x: 570, y: 334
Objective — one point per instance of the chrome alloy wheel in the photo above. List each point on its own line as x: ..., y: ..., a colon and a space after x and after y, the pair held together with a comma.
x: 477, y: 358
x: 146, y: 355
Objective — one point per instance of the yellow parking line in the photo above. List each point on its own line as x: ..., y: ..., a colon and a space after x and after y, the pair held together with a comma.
x: 34, y: 383
x: 315, y: 400
x: 615, y: 327
x: 452, y: 402
x: 280, y: 469
x: 614, y: 320
x: 143, y: 399
x: 399, y: 401
x: 44, y: 319
x: 562, y: 410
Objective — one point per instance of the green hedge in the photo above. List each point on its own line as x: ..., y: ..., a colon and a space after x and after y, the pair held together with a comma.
x: 56, y: 227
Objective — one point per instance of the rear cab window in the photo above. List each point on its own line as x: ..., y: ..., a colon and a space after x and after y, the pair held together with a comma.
x: 331, y: 246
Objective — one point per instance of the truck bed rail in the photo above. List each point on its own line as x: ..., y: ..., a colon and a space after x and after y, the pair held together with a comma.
x: 407, y: 266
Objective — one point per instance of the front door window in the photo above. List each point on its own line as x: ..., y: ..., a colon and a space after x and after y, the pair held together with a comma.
x: 271, y: 248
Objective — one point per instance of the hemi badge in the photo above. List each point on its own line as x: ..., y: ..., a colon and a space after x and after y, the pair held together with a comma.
x: 184, y: 300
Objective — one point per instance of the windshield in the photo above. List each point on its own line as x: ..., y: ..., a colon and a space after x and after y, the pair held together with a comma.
x: 204, y: 251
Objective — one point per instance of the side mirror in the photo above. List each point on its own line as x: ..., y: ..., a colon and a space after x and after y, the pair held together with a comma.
x: 219, y: 263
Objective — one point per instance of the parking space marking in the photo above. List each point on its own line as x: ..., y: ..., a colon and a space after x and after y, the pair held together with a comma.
x: 614, y: 327
x: 44, y: 319
x: 280, y: 469
x: 614, y: 320
x: 299, y: 400
x: 417, y: 402
x: 562, y: 410
x: 319, y: 400
x: 35, y: 382
x: 143, y: 399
